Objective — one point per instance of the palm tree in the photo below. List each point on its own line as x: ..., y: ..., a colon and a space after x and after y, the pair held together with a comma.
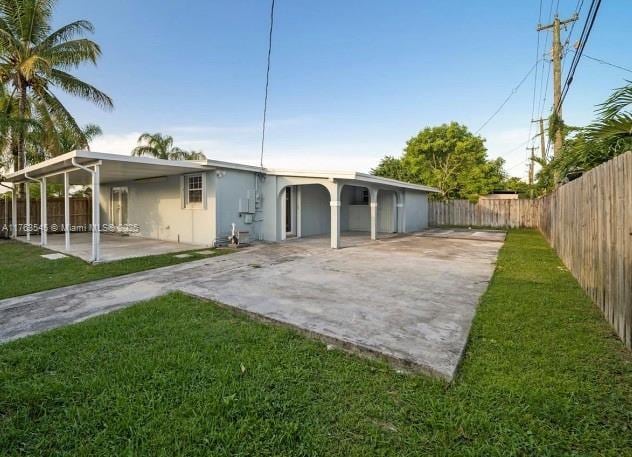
x: 195, y: 155
x: 615, y: 117
x: 161, y: 146
x: 34, y: 60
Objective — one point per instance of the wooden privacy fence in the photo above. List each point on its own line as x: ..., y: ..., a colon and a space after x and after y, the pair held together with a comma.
x: 80, y: 214
x: 587, y: 221
x: 485, y: 213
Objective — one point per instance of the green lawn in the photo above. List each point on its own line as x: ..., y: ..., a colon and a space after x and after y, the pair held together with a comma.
x: 543, y: 375
x: 24, y: 271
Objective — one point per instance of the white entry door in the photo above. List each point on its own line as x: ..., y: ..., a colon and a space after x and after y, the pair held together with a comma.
x: 119, y: 205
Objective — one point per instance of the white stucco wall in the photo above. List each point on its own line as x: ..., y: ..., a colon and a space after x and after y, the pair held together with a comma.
x: 315, y: 210
x: 416, y: 210
x: 386, y: 211
x: 353, y: 217
x: 233, y: 185
x: 156, y: 206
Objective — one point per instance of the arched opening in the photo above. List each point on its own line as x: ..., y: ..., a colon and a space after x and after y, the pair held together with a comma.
x: 304, y: 210
x: 355, y: 214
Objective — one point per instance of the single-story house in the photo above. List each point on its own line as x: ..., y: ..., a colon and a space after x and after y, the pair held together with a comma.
x: 198, y: 202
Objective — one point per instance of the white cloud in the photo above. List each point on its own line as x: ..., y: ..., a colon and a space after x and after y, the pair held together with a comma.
x: 241, y: 144
x: 114, y: 143
x: 246, y: 149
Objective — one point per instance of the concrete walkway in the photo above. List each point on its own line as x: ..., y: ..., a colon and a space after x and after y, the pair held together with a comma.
x: 113, y: 246
x: 410, y: 299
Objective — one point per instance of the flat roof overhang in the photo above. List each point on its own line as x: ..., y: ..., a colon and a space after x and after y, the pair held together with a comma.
x: 354, y: 176
x: 113, y: 168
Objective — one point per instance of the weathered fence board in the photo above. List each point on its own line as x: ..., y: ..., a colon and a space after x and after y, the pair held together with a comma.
x: 587, y: 221
x: 80, y: 213
x: 485, y: 213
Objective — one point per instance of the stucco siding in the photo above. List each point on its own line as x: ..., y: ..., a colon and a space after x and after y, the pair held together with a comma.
x: 386, y: 211
x: 315, y: 210
x: 233, y: 186
x: 416, y: 211
x: 353, y: 216
x: 156, y: 207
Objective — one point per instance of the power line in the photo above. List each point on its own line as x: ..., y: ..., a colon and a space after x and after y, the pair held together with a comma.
x: 565, y: 48
x: 545, y: 87
x: 535, y: 77
x: 604, y: 62
x: 588, y: 25
x: 265, y: 101
x: 511, y: 94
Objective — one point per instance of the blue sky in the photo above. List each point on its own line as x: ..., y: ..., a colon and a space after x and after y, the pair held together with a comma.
x: 351, y: 81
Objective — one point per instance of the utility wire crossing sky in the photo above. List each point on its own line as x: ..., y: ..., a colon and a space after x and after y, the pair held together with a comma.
x: 349, y: 81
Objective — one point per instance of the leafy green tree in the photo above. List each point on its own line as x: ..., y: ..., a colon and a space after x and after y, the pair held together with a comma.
x: 448, y: 157
x: 34, y: 60
x: 161, y: 146
x: 517, y: 185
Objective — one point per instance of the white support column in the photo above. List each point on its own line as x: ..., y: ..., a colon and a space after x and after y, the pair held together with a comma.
x: 283, y: 197
x: 335, y: 223
x: 373, y: 205
x: 27, y: 193
x: 67, y: 211
x: 96, y: 214
x: 14, y: 212
x: 299, y: 229
x: 43, y: 215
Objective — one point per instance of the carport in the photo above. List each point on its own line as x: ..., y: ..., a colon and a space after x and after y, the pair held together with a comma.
x: 85, y: 168
x: 333, y: 204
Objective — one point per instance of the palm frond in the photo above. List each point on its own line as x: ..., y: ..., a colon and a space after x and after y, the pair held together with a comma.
x: 65, y: 33
x: 71, y: 54
x: 143, y: 151
x: 177, y: 154
x: 618, y: 100
x: 619, y: 126
x: 59, y: 111
x: 76, y: 87
x: 195, y: 155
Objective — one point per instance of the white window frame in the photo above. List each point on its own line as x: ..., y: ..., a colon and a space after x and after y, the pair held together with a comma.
x: 185, y: 191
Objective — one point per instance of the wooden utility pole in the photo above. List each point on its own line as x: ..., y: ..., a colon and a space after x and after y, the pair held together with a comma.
x: 531, y: 164
x: 556, y: 57
x: 542, y: 139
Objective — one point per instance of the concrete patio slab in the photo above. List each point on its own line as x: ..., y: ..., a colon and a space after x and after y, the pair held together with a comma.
x: 113, y: 246
x: 466, y: 234
x: 410, y: 299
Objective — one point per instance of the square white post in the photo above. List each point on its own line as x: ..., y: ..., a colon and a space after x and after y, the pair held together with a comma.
x: 373, y: 205
x: 299, y: 228
x: 283, y: 213
x: 67, y: 211
x: 28, y: 211
x: 96, y: 215
x: 14, y: 212
x: 43, y: 215
x: 335, y: 223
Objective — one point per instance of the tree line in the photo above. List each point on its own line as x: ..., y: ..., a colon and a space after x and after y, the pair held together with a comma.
x: 455, y: 161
